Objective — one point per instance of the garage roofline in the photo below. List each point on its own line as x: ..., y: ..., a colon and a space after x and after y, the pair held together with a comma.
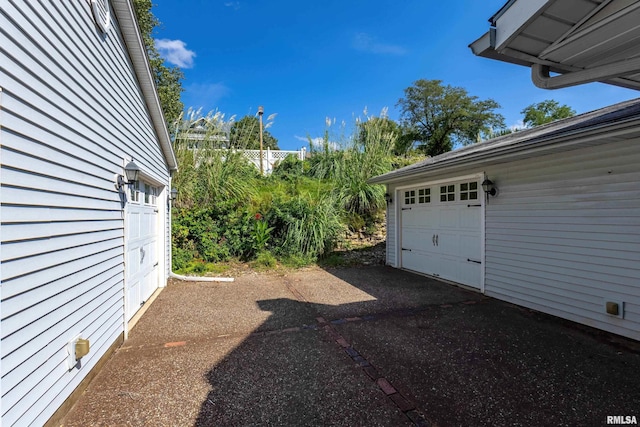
x: 619, y: 120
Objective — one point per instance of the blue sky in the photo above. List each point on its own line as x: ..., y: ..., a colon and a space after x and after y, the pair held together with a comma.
x: 309, y: 61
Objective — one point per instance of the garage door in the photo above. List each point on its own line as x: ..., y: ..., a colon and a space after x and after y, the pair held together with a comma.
x: 141, y: 233
x: 441, y: 231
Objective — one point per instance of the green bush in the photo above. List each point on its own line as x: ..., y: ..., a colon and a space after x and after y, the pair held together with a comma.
x: 289, y: 169
x: 212, y: 234
x: 180, y: 258
x: 305, y: 227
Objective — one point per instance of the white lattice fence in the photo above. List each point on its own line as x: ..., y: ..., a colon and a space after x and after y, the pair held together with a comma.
x: 271, y: 157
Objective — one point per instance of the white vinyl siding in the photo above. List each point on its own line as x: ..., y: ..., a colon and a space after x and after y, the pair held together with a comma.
x: 71, y: 112
x: 563, y: 234
x: 391, y: 246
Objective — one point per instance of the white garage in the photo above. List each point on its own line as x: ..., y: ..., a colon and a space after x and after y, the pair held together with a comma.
x: 441, y: 229
x: 561, y: 233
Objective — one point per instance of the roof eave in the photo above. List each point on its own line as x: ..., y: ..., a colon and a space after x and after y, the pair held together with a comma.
x: 540, y: 146
x: 133, y: 39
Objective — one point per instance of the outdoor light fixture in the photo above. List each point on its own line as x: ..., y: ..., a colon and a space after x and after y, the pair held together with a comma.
x: 132, y: 171
x: 388, y: 198
x: 489, y: 188
x: 174, y: 193
x: 119, y: 182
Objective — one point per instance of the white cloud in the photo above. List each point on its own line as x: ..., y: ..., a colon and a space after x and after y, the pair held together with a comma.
x: 366, y: 43
x: 518, y: 125
x: 233, y: 4
x: 175, y: 52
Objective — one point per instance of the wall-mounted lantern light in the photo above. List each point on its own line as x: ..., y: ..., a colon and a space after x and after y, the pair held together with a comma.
x: 120, y: 182
x: 489, y: 187
x: 174, y: 193
x: 132, y: 172
x: 388, y: 198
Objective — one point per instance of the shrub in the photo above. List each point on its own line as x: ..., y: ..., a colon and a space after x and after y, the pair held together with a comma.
x: 354, y: 221
x: 305, y: 205
x: 212, y: 234
x: 180, y: 258
x: 289, y: 169
x: 305, y: 227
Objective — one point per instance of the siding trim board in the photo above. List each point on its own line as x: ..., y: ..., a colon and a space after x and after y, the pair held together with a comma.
x: 563, y: 234
x: 75, y: 105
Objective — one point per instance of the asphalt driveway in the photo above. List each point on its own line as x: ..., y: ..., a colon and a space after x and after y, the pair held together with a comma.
x: 362, y: 346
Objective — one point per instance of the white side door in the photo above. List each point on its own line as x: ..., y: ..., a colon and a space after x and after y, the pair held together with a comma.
x: 141, y: 233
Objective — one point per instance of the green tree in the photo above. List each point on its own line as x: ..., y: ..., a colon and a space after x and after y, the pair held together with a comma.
x: 374, y: 127
x: 168, y: 80
x: 546, y: 112
x: 245, y: 134
x: 439, y: 116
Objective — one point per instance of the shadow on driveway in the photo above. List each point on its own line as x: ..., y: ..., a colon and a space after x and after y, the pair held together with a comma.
x: 364, y: 346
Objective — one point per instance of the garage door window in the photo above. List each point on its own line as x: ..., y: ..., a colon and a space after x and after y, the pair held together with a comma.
x: 410, y: 197
x: 469, y: 191
x: 149, y: 195
x: 144, y: 193
x: 134, y: 193
x: 448, y: 193
x: 424, y: 195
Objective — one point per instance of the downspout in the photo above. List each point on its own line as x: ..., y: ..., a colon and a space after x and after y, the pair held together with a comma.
x: 540, y: 74
x: 200, y: 279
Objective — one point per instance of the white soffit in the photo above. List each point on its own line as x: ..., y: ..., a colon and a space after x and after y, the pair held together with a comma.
x: 585, y: 40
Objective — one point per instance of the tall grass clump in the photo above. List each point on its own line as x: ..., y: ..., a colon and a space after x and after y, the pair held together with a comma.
x: 306, y: 227
x: 370, y: 154
x: 350, y: 163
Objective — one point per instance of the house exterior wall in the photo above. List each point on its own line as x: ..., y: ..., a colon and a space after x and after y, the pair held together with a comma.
x: 392, y: 239
x: 71, y: 112
x: 563, y: 234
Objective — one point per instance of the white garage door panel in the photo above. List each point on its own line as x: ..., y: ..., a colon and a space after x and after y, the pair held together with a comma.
x: 448, y: 243
x: 449, y: 217
x: 469, y: 273
x: 416, y: 239
x: 442, y: 238
x: 470, y: 218
x: 420, y: 218
x: 470, y: 247
x: 419, y: 261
